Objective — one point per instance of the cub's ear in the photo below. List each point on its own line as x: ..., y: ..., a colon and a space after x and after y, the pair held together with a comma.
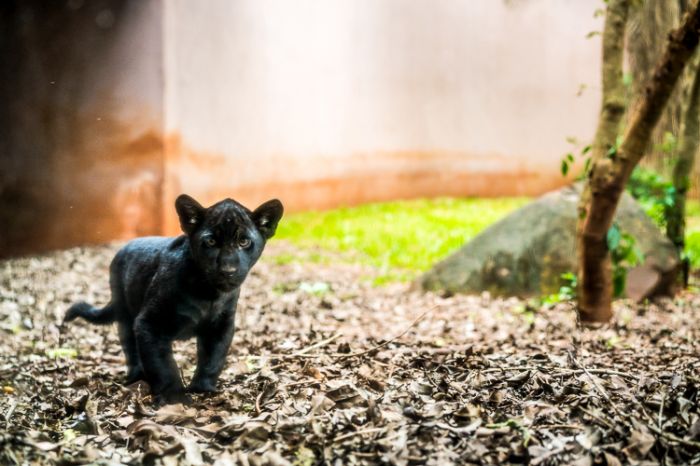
x: 191, y: 213
x: 267, y: 216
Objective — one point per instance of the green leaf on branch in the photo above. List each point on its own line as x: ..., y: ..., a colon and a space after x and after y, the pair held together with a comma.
x: 567, y: 291
x: 619, y: 282
x: 669, y: 144
x: 627, y: 79
x: 566, y: 163
x: 613, y: 150
x: 624, y: 255
x: 614, y: 237
x: 655, y: 194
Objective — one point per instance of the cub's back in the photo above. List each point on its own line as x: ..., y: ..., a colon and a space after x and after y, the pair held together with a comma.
x: 134, y: 266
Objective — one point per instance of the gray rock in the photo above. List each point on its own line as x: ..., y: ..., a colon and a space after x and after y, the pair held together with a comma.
x: 525, y: 253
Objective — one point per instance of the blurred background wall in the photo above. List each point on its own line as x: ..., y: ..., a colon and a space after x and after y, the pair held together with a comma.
x: 334, y: 102
x: 115, y: 107
x: 81, y: 122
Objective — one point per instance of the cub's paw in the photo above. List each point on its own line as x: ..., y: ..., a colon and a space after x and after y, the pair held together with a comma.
x: 180, y: 398
x: 174, y: 397
x: 134, y: 374
x: 202, y: 386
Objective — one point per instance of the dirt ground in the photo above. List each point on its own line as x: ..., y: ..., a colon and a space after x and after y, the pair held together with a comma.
x: 327, y: 369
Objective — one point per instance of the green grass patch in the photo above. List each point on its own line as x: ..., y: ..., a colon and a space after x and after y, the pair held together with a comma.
x: 692, y: 235
x: 62, y: 353
x: 692, y: 212
x: 400, y: 238
x: 404, y: 238
x: 692, y: 246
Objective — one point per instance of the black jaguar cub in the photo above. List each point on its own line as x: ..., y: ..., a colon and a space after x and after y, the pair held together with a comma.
x: 166, y: 289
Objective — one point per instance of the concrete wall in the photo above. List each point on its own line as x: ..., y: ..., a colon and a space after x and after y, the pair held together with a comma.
x: 81, y: 122
x: 116, y: 106
x: 327, y: 102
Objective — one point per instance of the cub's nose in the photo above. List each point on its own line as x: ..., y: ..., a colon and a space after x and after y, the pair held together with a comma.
x: 228, y: 269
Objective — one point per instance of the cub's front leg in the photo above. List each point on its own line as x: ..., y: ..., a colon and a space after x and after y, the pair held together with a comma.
x: 213, y: 342
x: 159, y: 367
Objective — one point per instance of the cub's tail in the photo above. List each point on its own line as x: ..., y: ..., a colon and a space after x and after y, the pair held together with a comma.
x: 103, y: 316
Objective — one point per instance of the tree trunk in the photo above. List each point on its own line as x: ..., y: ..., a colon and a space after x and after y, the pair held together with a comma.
x: 690, y: 139
x: 612, y: 110
x: 648, y: 23
x: 610, y: 174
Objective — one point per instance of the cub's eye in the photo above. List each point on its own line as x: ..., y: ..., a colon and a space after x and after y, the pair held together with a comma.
x: 210, y: 242
x: 244, y: 243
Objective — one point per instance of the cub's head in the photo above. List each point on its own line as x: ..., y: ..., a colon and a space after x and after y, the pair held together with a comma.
x: 227, y: 239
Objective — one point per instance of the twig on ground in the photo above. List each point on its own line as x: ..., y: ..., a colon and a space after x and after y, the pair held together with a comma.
x: 432, y: 350
x: 367, y: 454
x: 470, y: 429
x: 383, y: 344
x: 258, y: 409
x: 303, y: 353
x: 281, y: 356
x: 597, y: 386
x: 667, y: 435
x: 301, y: 383
x: 9, y: 413
x: 562, y: 372
x: 549, y: 454
x: 624, y: 417
x: 673, y: 438
x: 340, y: 438
x: 493, y: 370
x: 597, y: 418
x: 320, y: 344
x: 560, y: 426
x: 606, y: 372
x: 199, y: 432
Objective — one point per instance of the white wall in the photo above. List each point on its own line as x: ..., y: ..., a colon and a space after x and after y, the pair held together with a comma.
x: 340, y: 101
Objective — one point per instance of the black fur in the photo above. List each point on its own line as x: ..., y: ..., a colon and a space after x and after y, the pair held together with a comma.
x: 165, y: 289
